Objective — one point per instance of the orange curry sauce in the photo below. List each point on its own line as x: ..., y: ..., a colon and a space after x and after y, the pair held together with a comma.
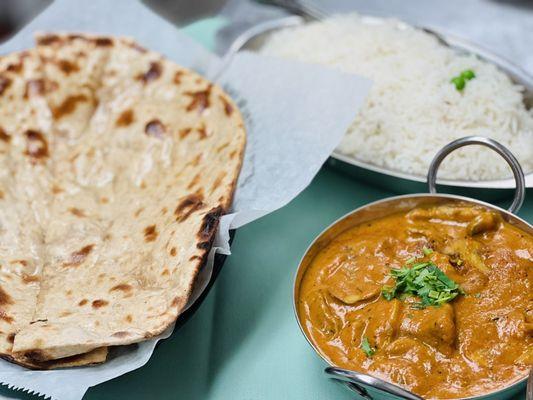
x: 479, y: 342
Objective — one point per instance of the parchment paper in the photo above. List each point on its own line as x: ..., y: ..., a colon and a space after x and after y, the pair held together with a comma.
x: 295, y: 115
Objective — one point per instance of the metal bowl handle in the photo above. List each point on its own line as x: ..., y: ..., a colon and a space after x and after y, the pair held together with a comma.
x: 353, y: 380
x: 492, y: 144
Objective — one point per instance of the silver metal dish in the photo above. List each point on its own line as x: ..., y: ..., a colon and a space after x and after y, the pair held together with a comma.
x: 365, y: 385
x: 398, y: 181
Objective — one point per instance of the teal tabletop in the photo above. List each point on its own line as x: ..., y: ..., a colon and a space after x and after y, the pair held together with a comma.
x: 244, y: 343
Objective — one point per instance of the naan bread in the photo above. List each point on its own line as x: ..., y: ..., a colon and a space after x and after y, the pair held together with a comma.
x: 73, y: 75
x: 21, y: 200
x: 136, y: 173
x: 93, y: 357
x: 24, y: 200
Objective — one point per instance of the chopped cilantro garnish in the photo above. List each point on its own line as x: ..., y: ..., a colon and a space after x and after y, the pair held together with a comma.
x: 365, y: 346
x: 424, y: 280
x: 460, y: 80
x: 411, y: 260
x: 468, y: 74
x: 388, y: 292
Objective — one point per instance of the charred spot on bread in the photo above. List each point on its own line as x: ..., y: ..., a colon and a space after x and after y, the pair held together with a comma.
x: 150, y: 233
x: 175, y: 302
x: 184, y: 132
x: 38, y: 320
x: 16, y: 68
x: 202, y: 131
x: 4, y: 137
x: 123, y: 287
x: 154, y: 72
x: 187, y: 206
x: 103, y: 42
x: 79, y: 256
x: 125, y: 118
x: 26, y: 278
x: 67, y: 66
x: 56, y: 189
x: 200, y: 100
x: 209, y: 224
x: 99, y: 303
x: 5, y: 83
x: 5, y: 317
x: 222, y: 147
x: 34, y: 87
x: 195, y: 161
x: 228, y: 108
x: 155, y: 128
x: 77, y: 212
x: 218, y: 181
x: 68, y: 106
x: 137, y: 47
x: 177, y: 77
x: 194, y: 181
x: 75, y: 36
x: 5, y: 299
x: 35, y: 355
x: 47, y: 40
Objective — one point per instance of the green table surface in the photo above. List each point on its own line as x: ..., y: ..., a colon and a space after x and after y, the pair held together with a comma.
x: 244, y: 343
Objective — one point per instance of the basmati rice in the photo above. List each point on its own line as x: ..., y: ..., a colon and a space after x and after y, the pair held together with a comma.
x: 413, y: 108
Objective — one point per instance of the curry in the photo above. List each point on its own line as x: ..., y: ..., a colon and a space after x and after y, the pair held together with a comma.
x: 438, y: 299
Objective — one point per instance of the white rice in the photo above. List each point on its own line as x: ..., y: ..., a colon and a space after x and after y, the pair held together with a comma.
x: 413, y: 109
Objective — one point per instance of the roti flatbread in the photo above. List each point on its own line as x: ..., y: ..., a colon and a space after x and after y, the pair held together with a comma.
x: 135, y: 177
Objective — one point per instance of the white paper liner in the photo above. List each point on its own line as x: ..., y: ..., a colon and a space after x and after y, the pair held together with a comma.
x: 295, y: 115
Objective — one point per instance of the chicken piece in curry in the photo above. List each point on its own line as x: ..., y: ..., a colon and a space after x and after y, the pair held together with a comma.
x: 438, y: 299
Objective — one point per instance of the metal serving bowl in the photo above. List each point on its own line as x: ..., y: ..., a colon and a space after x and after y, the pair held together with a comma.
x: 253, y: 38
x: 368, y: 386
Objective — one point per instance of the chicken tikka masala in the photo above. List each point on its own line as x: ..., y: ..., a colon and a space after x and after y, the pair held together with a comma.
x: 437, y: 299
